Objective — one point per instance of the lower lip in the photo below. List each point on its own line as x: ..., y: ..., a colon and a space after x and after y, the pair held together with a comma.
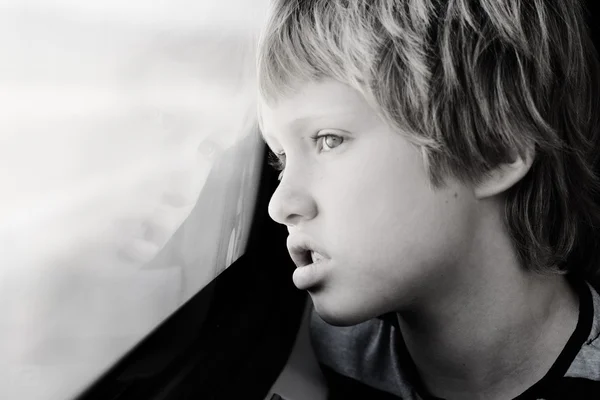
x: 309, y: 275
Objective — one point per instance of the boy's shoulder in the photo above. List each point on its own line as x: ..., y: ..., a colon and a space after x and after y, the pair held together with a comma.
x: 576, y: 372
x: 586, y: 363
x: 371, y: 357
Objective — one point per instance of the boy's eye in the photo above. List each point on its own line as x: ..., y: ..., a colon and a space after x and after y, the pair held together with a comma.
x: 328, y: 141
x: 325, y: 142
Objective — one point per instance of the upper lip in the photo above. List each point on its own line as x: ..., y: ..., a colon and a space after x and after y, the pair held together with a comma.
x: 300, y: 246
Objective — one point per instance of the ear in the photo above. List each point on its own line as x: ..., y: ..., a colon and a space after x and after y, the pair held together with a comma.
x: 505, y: 175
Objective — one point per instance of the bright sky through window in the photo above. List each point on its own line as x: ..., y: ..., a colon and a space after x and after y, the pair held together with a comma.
x: 114, y: 116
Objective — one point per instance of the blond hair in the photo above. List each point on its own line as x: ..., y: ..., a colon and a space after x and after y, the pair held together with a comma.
x: 471, y: 83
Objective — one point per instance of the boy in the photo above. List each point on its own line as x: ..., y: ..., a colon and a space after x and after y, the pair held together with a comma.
x: 439, y: 192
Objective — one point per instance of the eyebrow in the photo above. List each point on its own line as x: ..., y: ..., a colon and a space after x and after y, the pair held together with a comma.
x: 298, y: 124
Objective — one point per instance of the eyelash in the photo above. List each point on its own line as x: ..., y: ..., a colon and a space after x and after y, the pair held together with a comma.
x: 277, y: 160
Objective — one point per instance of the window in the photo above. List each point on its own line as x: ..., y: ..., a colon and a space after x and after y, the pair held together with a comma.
x: 128, y: 164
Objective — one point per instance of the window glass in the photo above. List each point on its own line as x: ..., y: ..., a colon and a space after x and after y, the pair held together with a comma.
x: 128, y: 167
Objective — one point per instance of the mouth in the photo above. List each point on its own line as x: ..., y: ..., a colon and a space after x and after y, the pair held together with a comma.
x: 310, y: 260
x: 304, y: 252
x: 316, y: 257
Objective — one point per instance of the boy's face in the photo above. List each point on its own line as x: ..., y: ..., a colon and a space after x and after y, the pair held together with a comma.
x: 362, y: 199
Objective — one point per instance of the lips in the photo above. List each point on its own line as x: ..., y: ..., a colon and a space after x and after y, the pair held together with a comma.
x: 304, y: 251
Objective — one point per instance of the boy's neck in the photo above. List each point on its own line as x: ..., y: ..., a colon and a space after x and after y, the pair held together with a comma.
x: 495, y: 341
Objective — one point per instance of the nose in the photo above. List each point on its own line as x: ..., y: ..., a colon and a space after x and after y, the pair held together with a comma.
x: 291, y: 206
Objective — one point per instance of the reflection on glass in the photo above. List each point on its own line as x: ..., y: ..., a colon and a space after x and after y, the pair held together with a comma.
x: 128, y: 165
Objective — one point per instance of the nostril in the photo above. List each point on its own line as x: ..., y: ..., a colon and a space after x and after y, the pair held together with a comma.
x: 292, y: 219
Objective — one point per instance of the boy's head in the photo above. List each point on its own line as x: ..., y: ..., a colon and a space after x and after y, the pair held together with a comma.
x: 406, y: 124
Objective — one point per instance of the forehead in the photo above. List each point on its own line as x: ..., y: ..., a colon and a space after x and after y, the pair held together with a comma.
x: 327, y: 101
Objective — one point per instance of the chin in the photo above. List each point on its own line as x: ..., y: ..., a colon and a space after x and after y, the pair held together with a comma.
x: 341, y: 312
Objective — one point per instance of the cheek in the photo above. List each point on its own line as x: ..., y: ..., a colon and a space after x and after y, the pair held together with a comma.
x: 384, y: 189
x: 386, y: 212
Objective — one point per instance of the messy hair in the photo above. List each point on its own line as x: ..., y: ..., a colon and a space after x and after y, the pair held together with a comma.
x: 472, y: 83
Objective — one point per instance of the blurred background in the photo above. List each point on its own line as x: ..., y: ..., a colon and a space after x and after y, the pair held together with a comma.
x: 129, y: 158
